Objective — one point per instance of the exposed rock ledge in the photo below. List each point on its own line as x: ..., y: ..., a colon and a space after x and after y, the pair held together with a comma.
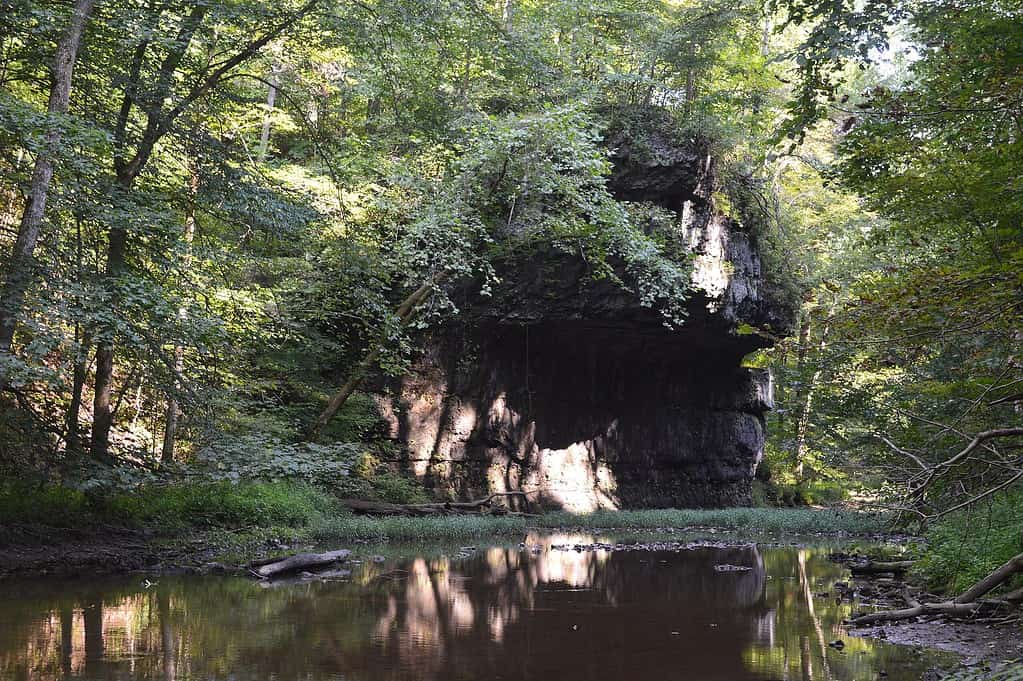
x: 568, y: 388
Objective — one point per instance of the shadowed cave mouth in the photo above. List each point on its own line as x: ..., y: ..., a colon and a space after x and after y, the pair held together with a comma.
x: 586, y: 415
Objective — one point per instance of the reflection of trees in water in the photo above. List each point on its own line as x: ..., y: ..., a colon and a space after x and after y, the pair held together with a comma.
x: 503, y: 613
x: 803, y: 623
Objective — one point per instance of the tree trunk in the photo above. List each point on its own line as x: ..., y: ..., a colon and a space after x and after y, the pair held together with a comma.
x: 967, y: 604
x: 80, y: 374
x: 404, y: 314
x: 271, y: 99
x: 168, y: 648
x: 508, y: 14
x: 67, y: 618
x: 92, y: 618
x: 159, y: 121
x: 383, y: 508
x: 171, y: 417
x: 807, y: 409
x: 691, y: 81
x: 302, y: 561
x: 102, y: 407
x: 19, y: 269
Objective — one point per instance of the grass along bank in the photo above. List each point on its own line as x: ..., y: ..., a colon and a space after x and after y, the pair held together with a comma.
x: 52, y: 530
x: 308, y: 512
x: 752, y: 521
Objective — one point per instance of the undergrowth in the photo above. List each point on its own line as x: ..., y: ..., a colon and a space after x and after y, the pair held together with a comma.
x: 168, y: 508
x: 968, y: 545
x: 318, y: 515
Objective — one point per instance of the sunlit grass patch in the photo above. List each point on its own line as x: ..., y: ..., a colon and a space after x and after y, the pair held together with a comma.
x: 755, y: 520
x: 741, y: 520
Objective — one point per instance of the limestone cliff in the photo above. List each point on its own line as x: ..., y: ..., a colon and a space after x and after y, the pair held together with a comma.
x: 569, y: 388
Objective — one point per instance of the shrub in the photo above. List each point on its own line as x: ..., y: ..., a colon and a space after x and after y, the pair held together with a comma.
x: 42, y: 504
x: 397, y: 489
x: 966, y: 546
x: 221, y: 504
x: 168, y: 507
x: 258, y: 457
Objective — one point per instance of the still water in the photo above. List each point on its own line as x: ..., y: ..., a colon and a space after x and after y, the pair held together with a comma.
x: 501, y: 612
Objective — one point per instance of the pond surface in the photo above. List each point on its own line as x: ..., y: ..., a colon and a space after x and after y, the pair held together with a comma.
x: 506, y: 612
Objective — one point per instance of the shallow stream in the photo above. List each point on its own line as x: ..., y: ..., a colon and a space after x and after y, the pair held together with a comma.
x: 547, y: 610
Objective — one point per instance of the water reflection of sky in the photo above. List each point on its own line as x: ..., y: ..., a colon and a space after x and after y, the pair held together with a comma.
x: 503, y: 613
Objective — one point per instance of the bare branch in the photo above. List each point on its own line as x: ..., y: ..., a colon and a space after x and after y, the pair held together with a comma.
x: 900, y: 450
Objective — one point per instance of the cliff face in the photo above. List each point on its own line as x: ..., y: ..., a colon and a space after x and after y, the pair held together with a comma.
x: 568, y: 388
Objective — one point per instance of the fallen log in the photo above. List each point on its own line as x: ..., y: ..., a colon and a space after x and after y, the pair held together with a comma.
x: 872, y: 567
x: 949, y: 608
x: 966, y: 605
x: 301, y: 561
x: 305, y: 577
x: 364, y: 507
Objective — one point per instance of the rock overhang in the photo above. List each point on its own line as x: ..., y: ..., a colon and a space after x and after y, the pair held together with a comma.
x: 567, y: 387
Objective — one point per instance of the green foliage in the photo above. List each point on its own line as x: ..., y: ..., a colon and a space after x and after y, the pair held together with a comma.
x: 396, y: 488
x: 167, y: 508
x: 415, y: 142
x: 220, y: 505
x: 774, y: 520
x: 538, y: 182
x: 966, y: 546
x: 42, y: 504
x: 407, y: 139
x: 258, y: 458
x: 904, y: 234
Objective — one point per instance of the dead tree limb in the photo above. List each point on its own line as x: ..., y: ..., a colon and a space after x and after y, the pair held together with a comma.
x: 1013, y: 566
x: 905, y: 452
x: 978, y: 439
x: 986, y: 493
x: 872, y: 567
x: 966, y: 605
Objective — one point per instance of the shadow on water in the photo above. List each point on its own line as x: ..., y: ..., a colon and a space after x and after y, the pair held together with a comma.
x: 503, y: 613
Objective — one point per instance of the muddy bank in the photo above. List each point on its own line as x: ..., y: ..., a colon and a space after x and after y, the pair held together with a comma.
x: 978, y: 644
x: 987, y: 642
x: 46, y: 552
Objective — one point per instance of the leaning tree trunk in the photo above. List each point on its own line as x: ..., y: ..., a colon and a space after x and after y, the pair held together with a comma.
x: 20, y: 267
x: 404, y: 315
x: 968, y: 604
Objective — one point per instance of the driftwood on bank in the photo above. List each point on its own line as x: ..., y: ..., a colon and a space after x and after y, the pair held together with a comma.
x: 873, y: 567
x: 300, y: 561
x: 969, y: 604
x: 363, y: 507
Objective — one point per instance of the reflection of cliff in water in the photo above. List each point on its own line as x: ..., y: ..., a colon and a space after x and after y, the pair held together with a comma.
x: 505, y: 613
x: 577, y: 615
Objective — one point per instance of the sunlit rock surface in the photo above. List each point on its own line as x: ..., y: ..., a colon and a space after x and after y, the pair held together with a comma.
x: 568, y: 388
